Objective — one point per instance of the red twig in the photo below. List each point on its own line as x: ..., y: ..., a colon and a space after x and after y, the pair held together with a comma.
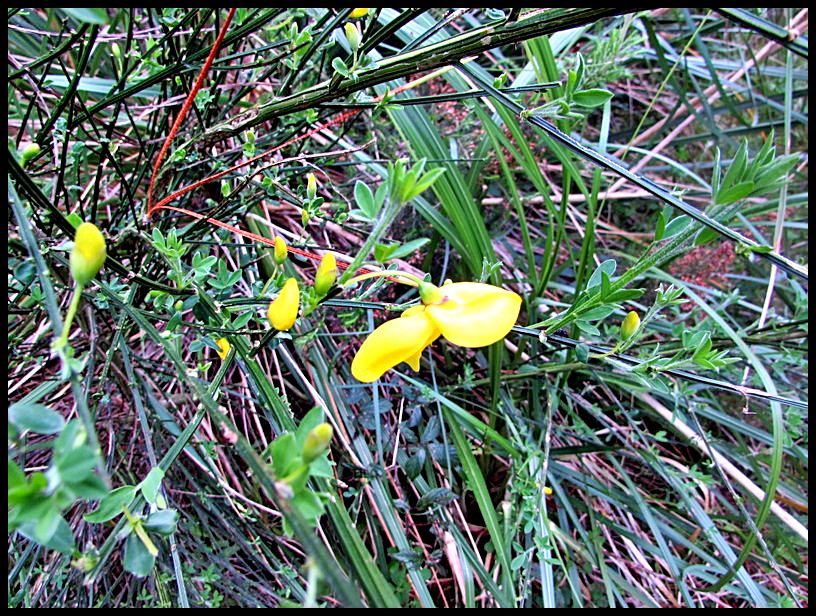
x: 163, y: 204
x: 185, y: 108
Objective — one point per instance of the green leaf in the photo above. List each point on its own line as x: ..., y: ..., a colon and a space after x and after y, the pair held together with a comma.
x: 735, y: 193
x: 408, y: 248
x: 310, y: 421
x: 340, y: 67
x: 150, y: 485
x: 162, y: 522
x: 382, y: 252
x: 92, y: 487
x: 76, y: 464
x: 35, y: 417
x: 595, y: 314
x: 734, y: 175
x: 703, y: 348
x: 582, y: 352
x: 609, y: 266
x: 29, y: 489
x: 587, y: 328
x: 624, y: 295
x: 425, y: 182
x: 365, y: 199
x: 660, y: 226
x: 111, y: 505
x: 676, y: 225
x: 61, y: 539
x: 706, y: 235
x: 591, y: 98
x: 137, y: 560
x: 97, y: 16
x: 285, y: 454
x: 308, y: 504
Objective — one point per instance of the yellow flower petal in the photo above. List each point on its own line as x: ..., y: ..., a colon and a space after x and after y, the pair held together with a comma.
x: 475, y: 314
x: 359, y: 13
x: 224, y: 345
x: 393, y: 342
x: 284, y: 308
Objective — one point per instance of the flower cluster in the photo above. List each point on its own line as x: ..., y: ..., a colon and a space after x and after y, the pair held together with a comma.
x: 468, y: 314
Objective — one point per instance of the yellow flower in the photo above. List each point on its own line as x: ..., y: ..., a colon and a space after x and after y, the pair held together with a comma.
x: 281, y: 251
x: 88, y: 253
x: 284, y: 308
x: 468, y: 314
x: 359, y: 13
x: 224, y: 346
x: 326, y: 274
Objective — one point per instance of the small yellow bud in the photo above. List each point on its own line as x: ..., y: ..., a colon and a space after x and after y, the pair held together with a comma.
x: 88, y: 253
x: 353, y: 35
x: 359, y: 13
x: 316, y: 442
x: 326, y: 274
x: 281, y: 251
x: 311, y: 185
x: 284, y: 308
x: 304, y: 217
x: 630, y: 325
x: 224, y: 346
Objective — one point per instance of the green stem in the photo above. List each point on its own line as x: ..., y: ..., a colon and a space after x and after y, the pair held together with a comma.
x: 69, y: 317
x: 388, y: 216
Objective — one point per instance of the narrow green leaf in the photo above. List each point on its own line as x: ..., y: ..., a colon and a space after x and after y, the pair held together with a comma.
x: 365, y: 199
x: 735, y: 193
x: 150, y: 485
x: 591, y: 98
x: 111, y: 505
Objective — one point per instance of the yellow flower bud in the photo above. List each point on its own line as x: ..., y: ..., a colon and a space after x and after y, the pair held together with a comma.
x: 316, y: 442
x: 284, y: 308
x: 630, y: 325
x: 281, y: 251
x: 326, y: 274
x: 353, y: 35
x: 311, y: 185
x: 224, y: 346
x: 88, y: 253
x: 359, y: 13
x: 27, y: 152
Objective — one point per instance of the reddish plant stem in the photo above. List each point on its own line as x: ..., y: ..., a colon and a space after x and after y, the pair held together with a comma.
x: 185, y: 108
x: 163, y: 204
